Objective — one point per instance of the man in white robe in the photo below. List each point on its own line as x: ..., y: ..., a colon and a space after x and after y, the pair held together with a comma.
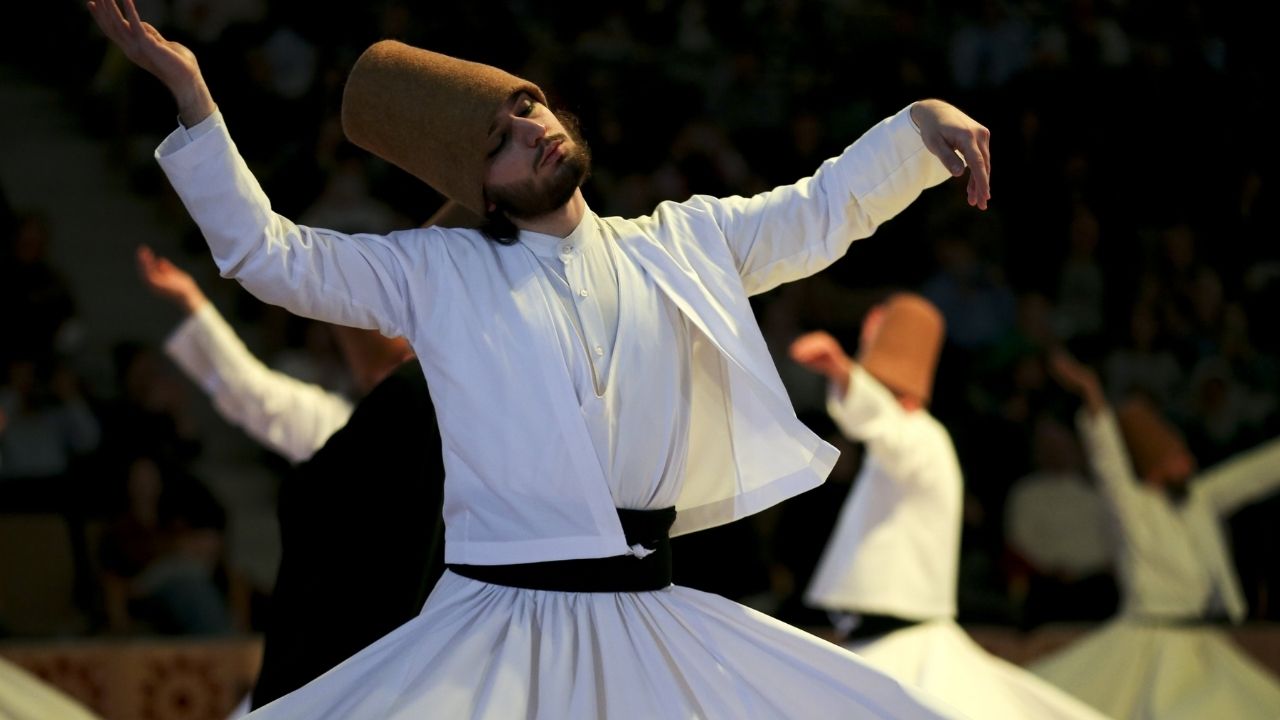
x: 1164, y: 655
x: 575, y: 362
x: 890, y: 568
x: 376, y: 569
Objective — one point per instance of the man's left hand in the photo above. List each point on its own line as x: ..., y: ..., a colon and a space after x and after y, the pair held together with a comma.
x: 951, y: 135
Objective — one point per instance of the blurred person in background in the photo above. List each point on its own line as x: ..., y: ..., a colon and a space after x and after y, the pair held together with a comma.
x: 46, y: 426
x: 163, y: 556
x: 1058, y: 533
x: 890, y: 569
x: 40, y: 310
x: 1163, y: 656
x: 360, y: 513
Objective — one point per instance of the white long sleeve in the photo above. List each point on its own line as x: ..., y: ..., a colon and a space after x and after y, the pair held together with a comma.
x: 1243, y: 479
x: 793, y: 231
x: 353, y: 280
x: 286, y: 415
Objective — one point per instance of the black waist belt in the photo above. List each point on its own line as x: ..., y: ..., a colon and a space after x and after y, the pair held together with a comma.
x: 873, y: 626
x: 620, y: 573
x: 1185, y: 621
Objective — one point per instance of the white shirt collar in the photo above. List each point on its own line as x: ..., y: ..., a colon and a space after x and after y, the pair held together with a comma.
x: 549, y: 246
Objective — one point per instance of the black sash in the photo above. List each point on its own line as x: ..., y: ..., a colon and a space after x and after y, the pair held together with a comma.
x: 1209, y: 619
x: 873, y: 626
x: 620, y: 573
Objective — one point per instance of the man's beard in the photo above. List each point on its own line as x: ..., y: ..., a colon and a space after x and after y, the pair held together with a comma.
x: 534, y: 198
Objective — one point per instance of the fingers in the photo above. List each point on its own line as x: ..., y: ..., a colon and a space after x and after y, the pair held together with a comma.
x: 108, y: 16
x: 135, y: 22
x: 146, y: 261
x: 944, y: 151
x: 977, y: 154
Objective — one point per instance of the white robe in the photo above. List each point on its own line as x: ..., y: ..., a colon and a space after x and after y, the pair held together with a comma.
x: 506, y: 374
x: 25, y: 697
x: 895, y: 551
x: 1153, y: 661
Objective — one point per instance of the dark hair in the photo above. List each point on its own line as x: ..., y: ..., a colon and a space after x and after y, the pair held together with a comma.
x: 499, y: 228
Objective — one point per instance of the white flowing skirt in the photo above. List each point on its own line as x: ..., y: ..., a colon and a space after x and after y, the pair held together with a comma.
x: 23, y: 696
x: 1136, y: 670
x: 485, y: 651
x: 939, y: 657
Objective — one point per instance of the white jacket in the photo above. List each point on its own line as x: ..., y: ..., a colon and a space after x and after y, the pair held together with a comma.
x: 523, y: 482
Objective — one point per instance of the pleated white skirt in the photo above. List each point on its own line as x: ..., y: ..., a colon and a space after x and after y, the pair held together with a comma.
x: 23, y: 696
x: 486, y: 651
x: 941, y: 658
x: 1136, y: 670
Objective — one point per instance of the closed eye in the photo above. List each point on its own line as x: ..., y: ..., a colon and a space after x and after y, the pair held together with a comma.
x: 524, y: 108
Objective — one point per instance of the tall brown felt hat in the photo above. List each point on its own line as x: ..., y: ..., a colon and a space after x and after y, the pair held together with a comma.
x: 428, y: 114
x: 1150, y: 438
x: 904, y: 352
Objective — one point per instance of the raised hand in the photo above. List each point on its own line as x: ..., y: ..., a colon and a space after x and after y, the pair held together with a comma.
x: 821, y: 353
x: 171, y: 62
x: 1077, y: 378
x: 946, y: 131
x: 169, y: 281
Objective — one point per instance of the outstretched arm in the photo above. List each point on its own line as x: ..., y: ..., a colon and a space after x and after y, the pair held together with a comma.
x: 1246, y: 478
x: 286, y: 415
x: 357, y: 280
x: 796, y: 230
x: 1103, y: 443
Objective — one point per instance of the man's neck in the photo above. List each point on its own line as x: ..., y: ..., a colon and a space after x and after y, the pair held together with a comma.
x: 560, y: 222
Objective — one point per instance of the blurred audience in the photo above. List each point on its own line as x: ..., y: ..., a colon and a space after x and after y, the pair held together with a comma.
x: 1154, y: 267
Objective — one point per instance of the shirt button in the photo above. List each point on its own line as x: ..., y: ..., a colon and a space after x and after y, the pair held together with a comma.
x: 582, y: 293
x: 566, y: 249
x: 599, y: 351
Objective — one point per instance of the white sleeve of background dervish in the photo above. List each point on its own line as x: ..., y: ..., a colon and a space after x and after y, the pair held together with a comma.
x: 354, y: 280
x: 793, y: 231
x: 869, y: 413
x: 1242, y: 479
x: 1109, y: 460
x: 286, y: 415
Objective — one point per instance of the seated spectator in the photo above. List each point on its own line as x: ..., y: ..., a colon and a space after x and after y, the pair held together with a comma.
x: 162, y: 556
x: 1057, y: 528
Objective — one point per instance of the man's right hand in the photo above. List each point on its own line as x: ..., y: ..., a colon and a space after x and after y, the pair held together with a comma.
x: 169, y: 281
x: 171, y: 62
